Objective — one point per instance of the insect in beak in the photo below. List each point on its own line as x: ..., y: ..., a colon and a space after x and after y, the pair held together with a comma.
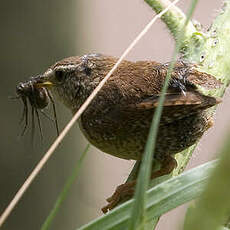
x: 37, y: 95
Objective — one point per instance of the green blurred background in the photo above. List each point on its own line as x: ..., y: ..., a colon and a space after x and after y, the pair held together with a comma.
x: 34, y: 35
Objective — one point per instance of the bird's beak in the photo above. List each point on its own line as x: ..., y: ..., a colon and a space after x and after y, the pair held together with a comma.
x: 46, y: 84
x: 45, y: 80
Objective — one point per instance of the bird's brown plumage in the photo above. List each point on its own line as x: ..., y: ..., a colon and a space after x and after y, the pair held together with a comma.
x: 118, y: 119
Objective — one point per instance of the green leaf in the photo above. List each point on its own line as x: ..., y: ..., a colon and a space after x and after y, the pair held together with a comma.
x: 160, y: 199
x: 65, y: 191
x: 213, y: 206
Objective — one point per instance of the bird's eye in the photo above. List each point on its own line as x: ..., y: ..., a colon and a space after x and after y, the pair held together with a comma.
x: 59, y: 75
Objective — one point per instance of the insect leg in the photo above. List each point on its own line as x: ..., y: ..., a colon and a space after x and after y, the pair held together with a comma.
x: 25, y: 110
x: 54, y: 111
x: 33, y: 122
x: 24, y: 115
x: 39, y: 123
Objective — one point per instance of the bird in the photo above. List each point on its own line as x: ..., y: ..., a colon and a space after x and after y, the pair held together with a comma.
x: 118, y: 119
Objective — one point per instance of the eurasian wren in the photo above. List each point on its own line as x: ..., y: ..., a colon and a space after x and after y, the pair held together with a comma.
x: 118, y: 119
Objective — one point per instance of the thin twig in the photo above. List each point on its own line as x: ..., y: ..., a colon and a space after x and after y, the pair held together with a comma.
x: 52, y: 148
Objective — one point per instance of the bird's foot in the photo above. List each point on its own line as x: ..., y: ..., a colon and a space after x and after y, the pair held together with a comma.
x: 122, y: 193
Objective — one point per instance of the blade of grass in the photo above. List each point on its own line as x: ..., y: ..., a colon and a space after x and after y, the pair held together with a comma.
x: 137, y: 220
x: 213, y: 206
x: 65, y: 191
x: 160, y: 199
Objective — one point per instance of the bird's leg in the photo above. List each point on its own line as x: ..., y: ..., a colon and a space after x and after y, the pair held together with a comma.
x: 168, y: 164
x: 126, y: 191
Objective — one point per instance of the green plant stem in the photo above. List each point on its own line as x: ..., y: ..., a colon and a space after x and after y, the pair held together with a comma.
x: 65, y: 191
x: 174, y: 19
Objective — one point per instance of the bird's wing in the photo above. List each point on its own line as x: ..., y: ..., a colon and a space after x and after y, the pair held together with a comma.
x: 175, y: 106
